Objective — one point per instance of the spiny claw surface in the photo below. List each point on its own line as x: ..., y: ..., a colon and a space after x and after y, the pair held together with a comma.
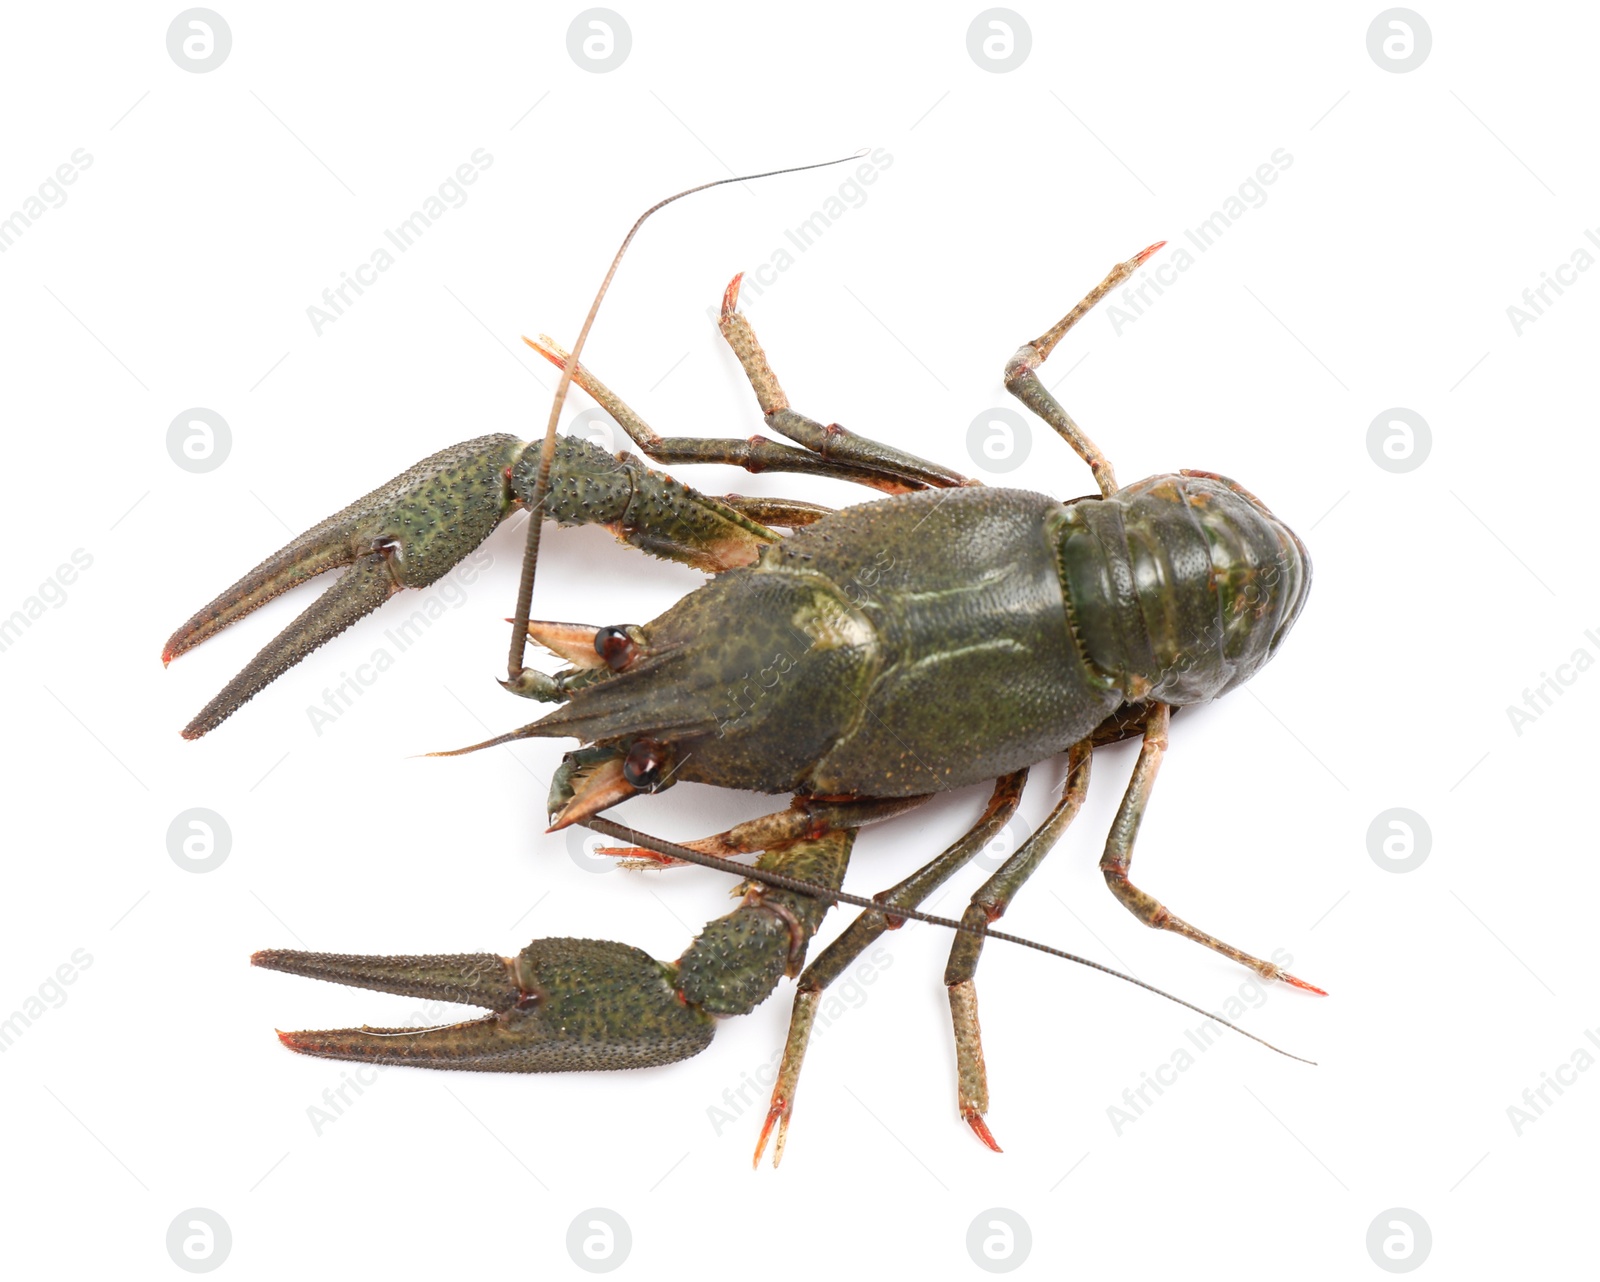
x: 559, y: 1005
x: 410, y: 532
x: 405, y: 534
x: 366, y: 585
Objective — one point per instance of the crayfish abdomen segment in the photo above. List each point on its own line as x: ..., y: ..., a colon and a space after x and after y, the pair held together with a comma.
x: 1181, y: 586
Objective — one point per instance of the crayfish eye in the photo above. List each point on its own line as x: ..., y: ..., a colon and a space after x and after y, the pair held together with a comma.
x: 644, y: 763
x: 615, y: 646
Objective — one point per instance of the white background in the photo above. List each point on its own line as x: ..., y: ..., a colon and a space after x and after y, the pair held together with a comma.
x: 1377, y: 273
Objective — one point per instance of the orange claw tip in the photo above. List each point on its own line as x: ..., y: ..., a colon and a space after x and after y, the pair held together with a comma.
x: 1300, y: 983
x: 304, y: 1041
x: 1143, y: 254
x: 773, y: 1114
x: 558, y: 361
x: 307, y: 1042
x: 980, y: 1128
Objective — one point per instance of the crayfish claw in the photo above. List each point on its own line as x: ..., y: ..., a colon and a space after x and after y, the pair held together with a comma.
x: 1271, y: 972
x: 1300, y: 983
x: 481, y: 979
x: 407, y: 533
x: 365, y: 586
x: 778, y: 1114
x: 559, y: 1005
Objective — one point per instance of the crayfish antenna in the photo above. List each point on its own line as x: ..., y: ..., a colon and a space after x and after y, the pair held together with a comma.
x: 609, y: 828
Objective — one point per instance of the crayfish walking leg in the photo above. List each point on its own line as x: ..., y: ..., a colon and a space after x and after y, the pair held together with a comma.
x: 1118, y: 857
x: 989, y: 903
x: 859, y: 936
x: 1023, y: 383
x: 827, y: 450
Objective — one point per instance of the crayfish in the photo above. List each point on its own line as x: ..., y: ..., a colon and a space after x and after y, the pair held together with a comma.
x: 946, y: 634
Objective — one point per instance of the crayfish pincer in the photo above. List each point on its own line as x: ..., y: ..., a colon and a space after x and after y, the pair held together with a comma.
x: 863, y: 660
